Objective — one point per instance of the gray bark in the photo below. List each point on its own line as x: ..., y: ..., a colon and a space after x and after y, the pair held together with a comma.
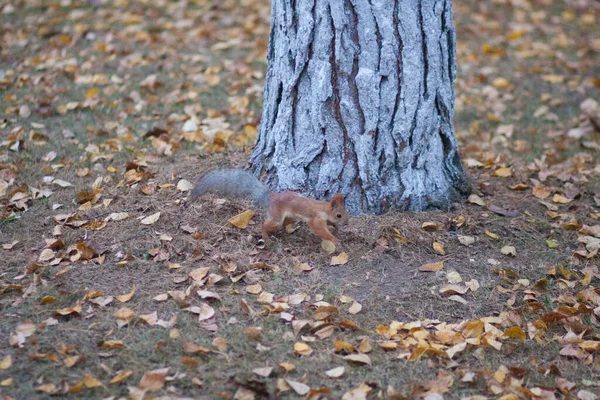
x: 359, y: 100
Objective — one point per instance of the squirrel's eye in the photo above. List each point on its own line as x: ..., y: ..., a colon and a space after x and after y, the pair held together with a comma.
x: 339, y: 215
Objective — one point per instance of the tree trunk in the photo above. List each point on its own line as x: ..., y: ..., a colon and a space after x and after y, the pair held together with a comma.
x: 359, y: 100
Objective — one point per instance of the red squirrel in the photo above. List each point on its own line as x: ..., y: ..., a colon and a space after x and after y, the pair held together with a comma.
x: 282, y: 208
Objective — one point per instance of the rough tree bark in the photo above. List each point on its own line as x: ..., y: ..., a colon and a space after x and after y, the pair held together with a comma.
x: 359, y: 100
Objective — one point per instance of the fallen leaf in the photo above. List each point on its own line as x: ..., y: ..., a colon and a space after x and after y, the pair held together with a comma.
x: 264, y: 372
x: 154, y: 380
x: 242, y: 220
x: 126, y: 297
x: 151, y: 219
x: 359, y: 358
x: 335, y: 372
x: 430, y: 226
x: 475, y: 199
x: 340, y: 259
x: 120, y: 377
x: 466, y: 240
x: 515, y: 332
x: 433, y: 267
x: 300, y: 388
x: 355, y: 308
x: 328, y: 246
x: 6, y: 362
x: 439, y: 248
x: 509, y: 251
x: 503, y: 172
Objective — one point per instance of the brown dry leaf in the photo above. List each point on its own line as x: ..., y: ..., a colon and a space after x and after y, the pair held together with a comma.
x: 340, y: 259
x: 220, y: 343
x: 458, y: 299
x: 515, y: 332
x: 519, y: 186
x: 503, y: 172
x: 151, y: 219
x: 26, y: 328
x: 359, y: 358
x: 49, y: 388
x: 150, y: 319
x: 439, y: 248
x: 491, y: 234
x: 302, y: 349
x: 509, y: 251
x: 457, y: 348
x: 112, y: 344
x: 355, y: 308
x: 46, y: 255
x: 206, y: 312
x: 154, y: 380
x: 72, y: 360
x: 430, y: 226
x: 300, y: 388
x: 253, y: 332
x: 48, y: 300
x: 560, y: 199
x: 242, y: 220
x: 475, y: 199
x: 254, y: 289
x: 328, y: 246
x: 6, y: 362
x: 199, y: 274
x: 91, y: 382
x: 360, y: 393
x: 126, y: 297
x: 264, y: 372
x: 120, y: 377
x: 335, y: 372
x: 433, y: 267
x: 287, y: 367
x: 124, y: 313
x: 541, y: 192
x: 190, y: 347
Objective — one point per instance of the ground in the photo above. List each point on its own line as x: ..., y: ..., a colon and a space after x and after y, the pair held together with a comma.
x: 113, y: 107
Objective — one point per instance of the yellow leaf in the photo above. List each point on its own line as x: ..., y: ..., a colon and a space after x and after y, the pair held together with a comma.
x: 91, y: 382
x: 6, y: 362
x: 328, y: 246
x: 302, y: 349
x: 154, y: 380
x: 500, y: 83
x: 475, y: 199
x: 491, y: 234
x: 242, y: 220
x: 433, y: 267
x: 553, y: 78
x: 429, y: 226
x: 516, y: 333
x: 503, y: 172
x: 121, y: 376
x: 560, y: 199
x: 439, y: 248
x: 126, y: 297
x: 340, y: 259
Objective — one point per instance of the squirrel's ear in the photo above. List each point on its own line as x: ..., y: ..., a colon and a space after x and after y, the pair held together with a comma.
x: 337, y: 200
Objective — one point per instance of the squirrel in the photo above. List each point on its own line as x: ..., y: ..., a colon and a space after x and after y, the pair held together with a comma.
x: 282, y: 208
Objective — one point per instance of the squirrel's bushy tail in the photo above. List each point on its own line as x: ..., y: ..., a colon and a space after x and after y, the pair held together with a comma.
x: 232, y: 183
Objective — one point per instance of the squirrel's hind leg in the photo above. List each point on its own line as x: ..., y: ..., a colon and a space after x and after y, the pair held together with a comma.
x: 270, y: 225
